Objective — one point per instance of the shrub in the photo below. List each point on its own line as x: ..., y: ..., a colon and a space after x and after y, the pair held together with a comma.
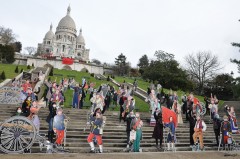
x: 16, y: 69
x: 21, y: 71
x: 32, y: 64
x: 108, y: 79
x: 51, y: 71
x: 92, y: 74
x: 3, y: 76
x: 86, y: 71
x: 28, y: 67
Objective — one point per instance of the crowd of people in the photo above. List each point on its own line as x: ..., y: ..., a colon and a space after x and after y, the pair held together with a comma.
x: 160, y: 106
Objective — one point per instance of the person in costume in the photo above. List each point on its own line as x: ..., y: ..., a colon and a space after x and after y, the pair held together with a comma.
x: 52, y: 112
x: 77, y: 94
x: 216, y: 127
x: 26, y: 85
x: 57, y: 97
x: 213, y: 108
x: 137, y: 126
x: 233, y: 120
x: 26, y: 106
x: 95, y: 132
x: 199, y: 128
x: 226, y: 130
x: 158, y: 129
x: 128, y: 106
x: 171, y: 134
x: 154, y: 103
x: 129, y: 118
x: 51, y: 90
x: 122, y: 100
x: 192, y: 122
x: 58, y: 126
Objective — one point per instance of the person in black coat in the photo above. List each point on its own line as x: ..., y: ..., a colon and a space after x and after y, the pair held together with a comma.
x: 216, y: 127
x: 52, y: 112
x: 121, y: 102
x: 128, y: 120
x: 158, y: 129
x: 192, y: 122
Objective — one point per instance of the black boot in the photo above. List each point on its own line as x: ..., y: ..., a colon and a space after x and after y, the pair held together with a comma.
x: 52, y: 135
x: 49, y: 136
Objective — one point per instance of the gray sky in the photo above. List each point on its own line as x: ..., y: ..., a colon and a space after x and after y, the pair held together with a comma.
x: 134, y: 27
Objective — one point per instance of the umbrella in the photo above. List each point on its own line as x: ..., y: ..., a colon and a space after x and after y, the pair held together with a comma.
x: 167, y: 113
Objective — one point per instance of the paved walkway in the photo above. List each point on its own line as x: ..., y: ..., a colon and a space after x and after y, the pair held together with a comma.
x: 178, y: 155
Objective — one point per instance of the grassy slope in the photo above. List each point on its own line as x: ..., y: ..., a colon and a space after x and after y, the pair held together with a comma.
x: 9, y: 70
x: 143, y: 84
x: 143, y: 107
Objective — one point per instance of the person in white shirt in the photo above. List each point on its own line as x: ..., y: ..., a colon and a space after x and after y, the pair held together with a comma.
x: 199, y: 128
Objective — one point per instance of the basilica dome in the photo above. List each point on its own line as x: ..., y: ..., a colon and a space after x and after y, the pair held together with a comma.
x: 49, y: 34
x: 80, y: 38
x: 67, y: 22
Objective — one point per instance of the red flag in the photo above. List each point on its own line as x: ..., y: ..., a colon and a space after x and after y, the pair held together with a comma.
x: 67, y: 61
x: 167, y: 113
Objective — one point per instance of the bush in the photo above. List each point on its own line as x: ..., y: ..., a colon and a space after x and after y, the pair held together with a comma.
x: 113, y: 77
x: 21, y: 71
x: 16, y: 69
x: 108, y: 79
x: 86, y: 71
x: 103, y: 73
x: 3, y: 76
x: 28, y: 67
x: 49, y: 79
x: 51, y: 71
x: 92, y: 74
x: 32, y: 64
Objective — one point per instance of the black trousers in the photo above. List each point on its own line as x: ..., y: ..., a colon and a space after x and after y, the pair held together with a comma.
x: 121, y: 111
x: 191, y: 136
x: 128, y: 137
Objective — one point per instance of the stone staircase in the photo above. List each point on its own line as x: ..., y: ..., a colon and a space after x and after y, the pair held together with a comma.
x: 114, y: 137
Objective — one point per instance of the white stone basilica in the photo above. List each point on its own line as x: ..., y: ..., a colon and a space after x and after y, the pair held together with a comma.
x: 65, y: 42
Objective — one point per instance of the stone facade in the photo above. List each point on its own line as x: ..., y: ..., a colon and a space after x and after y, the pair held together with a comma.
x: 65, y: 42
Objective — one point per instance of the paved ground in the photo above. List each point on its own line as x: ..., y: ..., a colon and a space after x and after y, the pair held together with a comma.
x: 178, y: 155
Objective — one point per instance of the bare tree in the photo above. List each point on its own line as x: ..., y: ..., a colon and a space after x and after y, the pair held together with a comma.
x: 202, y: 67
x: 7, y: 36
x: 31, y: 50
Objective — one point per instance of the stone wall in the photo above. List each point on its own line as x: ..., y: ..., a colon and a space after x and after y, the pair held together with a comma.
x: 38, y: 62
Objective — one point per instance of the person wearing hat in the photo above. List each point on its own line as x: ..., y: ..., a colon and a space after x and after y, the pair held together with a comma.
x: 199, y: 128
x: 226, y: 130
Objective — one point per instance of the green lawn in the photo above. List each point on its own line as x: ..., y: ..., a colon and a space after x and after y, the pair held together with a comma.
x: 9, y: 70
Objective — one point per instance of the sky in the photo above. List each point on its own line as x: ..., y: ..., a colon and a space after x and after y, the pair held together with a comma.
x: 134, y: 27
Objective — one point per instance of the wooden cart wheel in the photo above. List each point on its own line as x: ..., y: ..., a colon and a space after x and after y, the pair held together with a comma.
x: 17, y: 134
